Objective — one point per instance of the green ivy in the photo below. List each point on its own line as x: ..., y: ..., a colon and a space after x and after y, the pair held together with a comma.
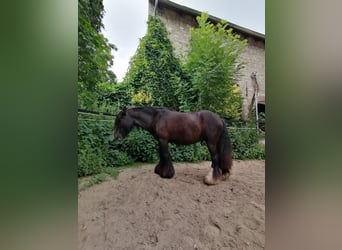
x: 154, y: 72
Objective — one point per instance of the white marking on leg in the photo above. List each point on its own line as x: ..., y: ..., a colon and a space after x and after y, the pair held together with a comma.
x: 208, y: 179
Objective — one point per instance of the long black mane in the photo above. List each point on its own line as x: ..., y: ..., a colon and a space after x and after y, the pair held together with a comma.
x: 150, y: 109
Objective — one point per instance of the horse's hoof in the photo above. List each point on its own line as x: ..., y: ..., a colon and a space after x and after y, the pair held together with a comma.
x: 210, y: 180
x: 225, y: 176
x: 166, y: 176
x: 164, y: 171
x: 169, y: 174
x: 157, y: 169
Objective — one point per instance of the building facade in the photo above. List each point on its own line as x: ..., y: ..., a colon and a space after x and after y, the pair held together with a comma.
x: 179, y: 19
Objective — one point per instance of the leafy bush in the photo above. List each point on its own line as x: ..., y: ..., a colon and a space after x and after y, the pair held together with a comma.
x: 212, y: 62
x: 93, y: 148
x: 118, y: 158
x: 189, y: 153
x: 245, y: 144
x: 90, y: 160
x: 141, y: 146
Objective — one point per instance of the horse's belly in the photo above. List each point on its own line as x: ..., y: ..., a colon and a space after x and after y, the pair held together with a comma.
x: 184, y: 141
x: 185, y: 137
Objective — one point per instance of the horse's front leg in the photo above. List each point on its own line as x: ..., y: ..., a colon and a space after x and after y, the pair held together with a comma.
x: 214, y: 176
x: 164, y: 168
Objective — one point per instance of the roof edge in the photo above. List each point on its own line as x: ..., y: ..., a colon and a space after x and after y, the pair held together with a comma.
x: 214, y: 19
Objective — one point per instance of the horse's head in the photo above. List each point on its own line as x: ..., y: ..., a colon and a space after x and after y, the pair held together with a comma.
x: 123, y: 124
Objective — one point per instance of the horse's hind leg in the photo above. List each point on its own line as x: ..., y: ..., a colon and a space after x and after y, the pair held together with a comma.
x: 224, y: 149
x: 225, y: 166
x: 164, y: 168
x: 214, y: 176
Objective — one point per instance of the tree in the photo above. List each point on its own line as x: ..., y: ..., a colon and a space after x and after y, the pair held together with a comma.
x: 213, y: 66
x: 94, y: 52
x: 154, y: 71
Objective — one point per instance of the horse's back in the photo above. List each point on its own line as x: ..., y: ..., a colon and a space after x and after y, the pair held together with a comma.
x: 187, y: 127
x: 179, y: 127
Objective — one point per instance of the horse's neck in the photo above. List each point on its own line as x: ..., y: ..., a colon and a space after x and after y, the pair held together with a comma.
x: 142, y: 119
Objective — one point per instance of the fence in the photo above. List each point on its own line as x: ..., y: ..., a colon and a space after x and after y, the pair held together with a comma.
x: 96, y: 113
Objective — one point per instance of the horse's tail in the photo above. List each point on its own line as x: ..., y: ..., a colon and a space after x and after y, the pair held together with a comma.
x: 225, y: 151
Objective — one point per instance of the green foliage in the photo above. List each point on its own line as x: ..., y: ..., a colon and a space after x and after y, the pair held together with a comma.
x: 95, y: 179
x: 94, y: 11
x: 245, y: 144
x: 262, y: 121
x: 141, y: 146
x: 155, y: 77
x: 93, y: 150
x: 154, y: 71
x: 142, y: 97
x: 94, y: 52
x: 90, y: 159
x: 116, y: 96
x: 97, y: 152
x: 97, y: 91
x: 117, y: 158
x: 189, y: 153
x: 212, y: 63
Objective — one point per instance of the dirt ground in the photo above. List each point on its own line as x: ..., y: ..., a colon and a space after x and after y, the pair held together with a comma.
x: 140, y: 210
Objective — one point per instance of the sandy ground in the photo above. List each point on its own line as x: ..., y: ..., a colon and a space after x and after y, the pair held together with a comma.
x: 140, y: 210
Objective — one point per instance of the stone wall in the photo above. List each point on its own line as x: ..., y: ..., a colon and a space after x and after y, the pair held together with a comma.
x: 178, y: 24
x: 254, y: 58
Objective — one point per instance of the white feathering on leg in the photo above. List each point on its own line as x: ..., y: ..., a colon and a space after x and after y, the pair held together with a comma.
x: 225, y: 176
x: 208, y: 179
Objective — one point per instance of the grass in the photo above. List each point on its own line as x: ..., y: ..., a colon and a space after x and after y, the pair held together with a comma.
x: 86, y: 182
x: 111, y: 172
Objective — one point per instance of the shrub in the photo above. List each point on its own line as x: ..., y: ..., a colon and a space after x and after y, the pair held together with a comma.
x: 93, y: 148
x: 212, y: 62
x: 189, y: 153
x: 245, y: 144
x: 140, y: 146
x: 96, y: 151
x: 119, y: 158
x: 90, y: 160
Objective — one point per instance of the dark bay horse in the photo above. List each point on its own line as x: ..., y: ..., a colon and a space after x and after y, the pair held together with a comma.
x: 180, y: 128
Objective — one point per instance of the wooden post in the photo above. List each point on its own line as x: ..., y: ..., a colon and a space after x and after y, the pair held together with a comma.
x: 256, y: 95
x: 155, y: 7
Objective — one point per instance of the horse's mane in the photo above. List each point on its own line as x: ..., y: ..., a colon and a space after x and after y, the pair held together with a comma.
x: 149, y: 109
